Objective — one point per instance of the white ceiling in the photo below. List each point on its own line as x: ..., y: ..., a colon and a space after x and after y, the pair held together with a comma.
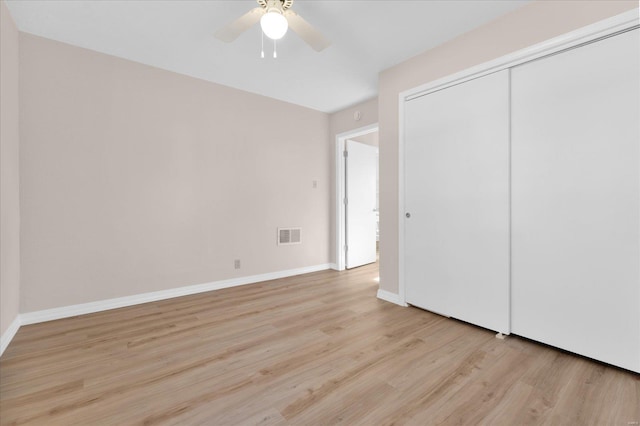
x: 367, y: 37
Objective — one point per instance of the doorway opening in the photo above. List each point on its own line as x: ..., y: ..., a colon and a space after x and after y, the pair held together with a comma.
x: 356, y: 237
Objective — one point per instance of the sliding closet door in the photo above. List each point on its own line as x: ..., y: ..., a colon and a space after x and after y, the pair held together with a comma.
x: 456, y: 199
x: 576, y: 193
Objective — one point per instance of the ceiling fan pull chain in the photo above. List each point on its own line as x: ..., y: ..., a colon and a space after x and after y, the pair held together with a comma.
x: 275, y: 54
x: 262, y: 39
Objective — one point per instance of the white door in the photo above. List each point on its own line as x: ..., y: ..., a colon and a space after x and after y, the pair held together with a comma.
x: 361, y: 213
x: 576, y: 203
x: 457, y: 201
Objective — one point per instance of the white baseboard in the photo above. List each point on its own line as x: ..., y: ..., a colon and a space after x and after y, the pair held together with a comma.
x: 120, y: 302
x: 390, y: 297
x: 333, y: 266
x: 7, y: 336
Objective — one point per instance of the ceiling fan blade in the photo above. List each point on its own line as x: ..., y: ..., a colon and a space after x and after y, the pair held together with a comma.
x: 306, y: 32
x: 240, y: 25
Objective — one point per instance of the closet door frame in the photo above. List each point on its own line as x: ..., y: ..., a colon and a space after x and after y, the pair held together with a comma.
x: 616, y: 24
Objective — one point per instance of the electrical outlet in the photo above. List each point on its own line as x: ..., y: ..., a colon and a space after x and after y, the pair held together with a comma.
x: 236, y: 263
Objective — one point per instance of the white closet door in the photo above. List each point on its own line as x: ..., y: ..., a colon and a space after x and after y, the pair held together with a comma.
x: 457, y: 195
x: 576, y: 193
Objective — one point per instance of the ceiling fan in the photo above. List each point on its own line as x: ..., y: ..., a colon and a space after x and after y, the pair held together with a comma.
x: 275, y: 18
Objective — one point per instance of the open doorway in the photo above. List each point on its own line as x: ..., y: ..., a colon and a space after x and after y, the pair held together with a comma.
x: 357, y: 189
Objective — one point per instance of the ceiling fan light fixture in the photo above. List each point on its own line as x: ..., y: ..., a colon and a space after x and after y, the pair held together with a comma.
x: 274, y: 24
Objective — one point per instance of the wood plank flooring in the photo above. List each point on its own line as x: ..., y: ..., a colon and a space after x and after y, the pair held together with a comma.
x: 316, y: 349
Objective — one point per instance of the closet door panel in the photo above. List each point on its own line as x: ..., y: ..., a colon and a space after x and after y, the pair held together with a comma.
x: 575, y: 200
x: 457, y: 195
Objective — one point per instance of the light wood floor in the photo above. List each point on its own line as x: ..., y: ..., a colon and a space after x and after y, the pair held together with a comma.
x: 317, y: 349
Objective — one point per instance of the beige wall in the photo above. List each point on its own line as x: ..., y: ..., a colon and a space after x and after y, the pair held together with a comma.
x: 368, y: 139
x: 341, y: 122
x: 136, y: 179
x: 9, y: 174
x: 531, y: 24
x: 344, y: 120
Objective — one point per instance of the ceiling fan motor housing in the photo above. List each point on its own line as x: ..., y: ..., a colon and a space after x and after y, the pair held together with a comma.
x: 281, y: 5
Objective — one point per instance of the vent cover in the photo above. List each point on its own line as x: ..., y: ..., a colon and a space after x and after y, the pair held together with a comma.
x: 289, y: 236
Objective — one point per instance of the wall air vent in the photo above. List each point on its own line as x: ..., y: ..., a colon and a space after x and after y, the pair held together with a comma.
x: 289, y: 236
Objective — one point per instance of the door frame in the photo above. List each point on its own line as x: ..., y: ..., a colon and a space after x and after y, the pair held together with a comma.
x: 340, y: 211
x: 619, y: 23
